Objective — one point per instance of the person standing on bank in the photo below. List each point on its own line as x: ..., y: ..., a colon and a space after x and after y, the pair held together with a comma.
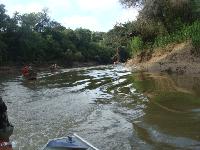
x: 6, y: 129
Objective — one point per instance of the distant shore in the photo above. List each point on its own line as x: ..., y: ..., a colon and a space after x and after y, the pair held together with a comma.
x: 175, y: 58
x: 16, y: 69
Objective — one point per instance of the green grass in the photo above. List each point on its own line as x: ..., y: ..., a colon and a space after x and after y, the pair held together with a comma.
x: 191, y: 32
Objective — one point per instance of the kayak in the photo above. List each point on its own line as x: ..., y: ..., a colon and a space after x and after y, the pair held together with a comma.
x: 69, y: 143
x: 28, y: 73
x: 54, y: 69
x: 31, y: 77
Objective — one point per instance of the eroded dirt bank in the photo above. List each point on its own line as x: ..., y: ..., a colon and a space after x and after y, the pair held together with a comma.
x: 179, y: 58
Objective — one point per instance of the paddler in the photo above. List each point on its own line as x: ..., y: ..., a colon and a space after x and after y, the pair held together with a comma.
x: 25, y: 71
x: 6, y: 129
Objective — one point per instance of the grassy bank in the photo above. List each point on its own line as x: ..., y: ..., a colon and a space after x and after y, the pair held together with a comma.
x: 173, y: 58
x: 178, y: 51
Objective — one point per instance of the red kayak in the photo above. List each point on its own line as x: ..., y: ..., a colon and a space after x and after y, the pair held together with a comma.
x: 28, y: 73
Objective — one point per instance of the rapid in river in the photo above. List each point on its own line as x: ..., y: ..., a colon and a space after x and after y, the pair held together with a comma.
x: 109, y: 106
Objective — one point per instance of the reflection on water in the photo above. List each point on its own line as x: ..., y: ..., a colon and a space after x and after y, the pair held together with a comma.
x: 171, y: 118
x: 109, y: 106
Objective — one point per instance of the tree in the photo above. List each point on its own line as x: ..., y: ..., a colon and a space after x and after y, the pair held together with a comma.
x: 44, y: 21
x: 149, y: 29
x: 3, y: 18
x: 132, y: 3
x: 34, y: 37
x: 136, y: 45
x: 83, y: 35
x: 28, y: 22
x: 97, y: 36
x: 163, y: 21
x: 3, y: 52
x: 12, y: 24
x: 166, y: 11
x: 117, y: 36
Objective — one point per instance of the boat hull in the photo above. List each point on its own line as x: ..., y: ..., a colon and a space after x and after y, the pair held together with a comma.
x: 66, y: 143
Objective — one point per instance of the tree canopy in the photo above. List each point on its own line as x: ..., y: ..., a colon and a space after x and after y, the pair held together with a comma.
x: 35, y: 37
x: 160, y: 21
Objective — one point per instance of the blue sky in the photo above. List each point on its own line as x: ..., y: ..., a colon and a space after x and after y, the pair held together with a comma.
x: 96, y: 15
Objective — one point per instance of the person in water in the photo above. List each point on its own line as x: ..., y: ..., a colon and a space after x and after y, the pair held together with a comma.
x: 28, y: 72
x: 6, y: 129
x: 53, y: 67
x: 25, y: 71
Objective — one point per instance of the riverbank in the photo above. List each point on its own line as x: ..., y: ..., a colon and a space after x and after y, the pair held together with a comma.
x: 174, y: 58
x: 10, y: 69
x: 16, y: 69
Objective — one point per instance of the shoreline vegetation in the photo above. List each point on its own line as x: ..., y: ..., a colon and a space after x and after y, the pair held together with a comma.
x: 36, y: 38
x: 164, y: 37
x: 16, y: 69
x: 174, y: 58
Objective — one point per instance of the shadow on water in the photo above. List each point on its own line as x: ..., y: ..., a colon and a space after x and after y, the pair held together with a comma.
x: 109, y: 106
x: 171, y: 118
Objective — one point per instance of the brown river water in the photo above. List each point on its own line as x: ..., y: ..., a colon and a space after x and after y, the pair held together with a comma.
x: 109, y: 106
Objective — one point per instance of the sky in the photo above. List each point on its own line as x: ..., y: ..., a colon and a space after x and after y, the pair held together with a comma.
x: 96, y: 15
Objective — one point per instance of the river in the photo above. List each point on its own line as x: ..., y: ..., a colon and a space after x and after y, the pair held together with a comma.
x: 109, y: 106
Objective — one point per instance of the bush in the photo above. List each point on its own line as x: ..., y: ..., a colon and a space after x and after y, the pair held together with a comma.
x: 195, y: 34
x: 136, y: 45
x: 104, y: 55
x: 187, y: 32
x: 3, y: 52
x: 78, y: 57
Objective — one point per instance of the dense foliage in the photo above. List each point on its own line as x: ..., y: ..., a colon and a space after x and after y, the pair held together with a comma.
x: 160, y: 22
x: 189, y: 32
x: 35, y: 38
